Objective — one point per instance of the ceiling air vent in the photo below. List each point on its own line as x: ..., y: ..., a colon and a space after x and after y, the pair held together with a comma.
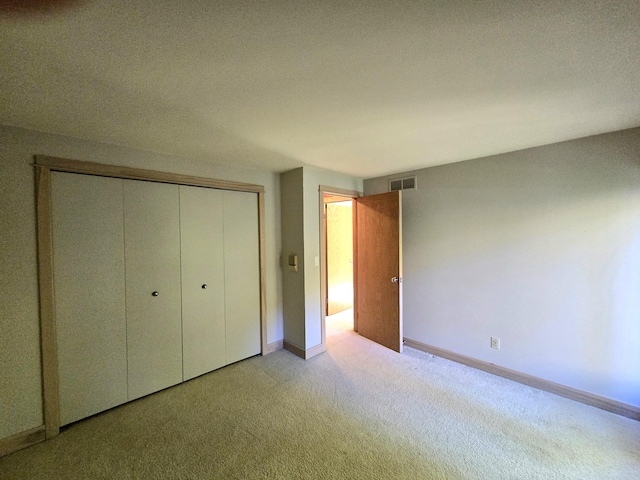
x: 408, y: 183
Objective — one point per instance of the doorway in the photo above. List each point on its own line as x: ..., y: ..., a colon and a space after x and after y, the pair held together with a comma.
x: 338, y: 215
x: 376, y: 265
x: 337, y: 257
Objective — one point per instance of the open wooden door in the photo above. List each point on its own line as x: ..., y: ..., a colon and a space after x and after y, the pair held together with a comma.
x: 378, y: 269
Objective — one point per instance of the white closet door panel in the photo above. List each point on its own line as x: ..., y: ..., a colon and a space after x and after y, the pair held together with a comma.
x: 152, y: 261
x: 88, y: 264
x: 242, y: 275
x: 203, y: 322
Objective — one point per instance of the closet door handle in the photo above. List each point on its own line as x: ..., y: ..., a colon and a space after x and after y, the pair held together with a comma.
x: 154, y: 294
x: 204, y: 286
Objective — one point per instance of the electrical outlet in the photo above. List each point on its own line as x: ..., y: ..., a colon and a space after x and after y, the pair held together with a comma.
x: 495, y: 343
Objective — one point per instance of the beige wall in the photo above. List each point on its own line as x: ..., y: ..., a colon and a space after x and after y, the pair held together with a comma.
x: 20, y: 378
x: 292, y: 207
x: 313, y: 178
x: 540, y: 248
x: 302, y: 290
x: 20, y: 375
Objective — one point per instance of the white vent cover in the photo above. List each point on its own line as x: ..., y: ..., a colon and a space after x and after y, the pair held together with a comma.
x: 409, y: 183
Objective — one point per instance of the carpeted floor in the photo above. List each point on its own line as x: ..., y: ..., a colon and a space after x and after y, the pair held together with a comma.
x: 358, y: 411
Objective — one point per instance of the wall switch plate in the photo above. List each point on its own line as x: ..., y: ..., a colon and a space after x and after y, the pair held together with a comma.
x: 495, y: 343
x: 293, y: 262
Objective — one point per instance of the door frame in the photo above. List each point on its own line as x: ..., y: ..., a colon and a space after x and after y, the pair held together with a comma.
x: 347, y: 194
x: 44, y: 165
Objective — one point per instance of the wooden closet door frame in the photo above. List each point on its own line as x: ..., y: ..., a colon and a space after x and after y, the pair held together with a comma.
x: 44, y: 165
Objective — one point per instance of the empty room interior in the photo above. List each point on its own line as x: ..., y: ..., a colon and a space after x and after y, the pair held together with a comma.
x: 246, y: 239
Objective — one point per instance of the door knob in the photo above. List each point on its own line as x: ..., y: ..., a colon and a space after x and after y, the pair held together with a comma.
x: 154, y: 294
x: 395, y: 280
x: 204, y: 286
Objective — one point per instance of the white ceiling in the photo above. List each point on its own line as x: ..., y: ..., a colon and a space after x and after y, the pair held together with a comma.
x: 360, y: 87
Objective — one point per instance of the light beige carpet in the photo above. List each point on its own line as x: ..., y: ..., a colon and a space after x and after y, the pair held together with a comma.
x: 358, y: 411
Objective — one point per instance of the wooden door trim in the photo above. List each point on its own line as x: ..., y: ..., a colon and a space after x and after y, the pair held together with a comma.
x: 400, y: 271
x: 44, y: 165
x: 346, y: 194
x: 49, y: 355
x: 262, y: 249
x: 103, y: 170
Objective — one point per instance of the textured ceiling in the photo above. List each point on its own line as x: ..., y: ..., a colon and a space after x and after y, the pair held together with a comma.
x: 360, y: 87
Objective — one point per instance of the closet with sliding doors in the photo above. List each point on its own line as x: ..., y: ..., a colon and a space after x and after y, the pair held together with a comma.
x: 154, y: 279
